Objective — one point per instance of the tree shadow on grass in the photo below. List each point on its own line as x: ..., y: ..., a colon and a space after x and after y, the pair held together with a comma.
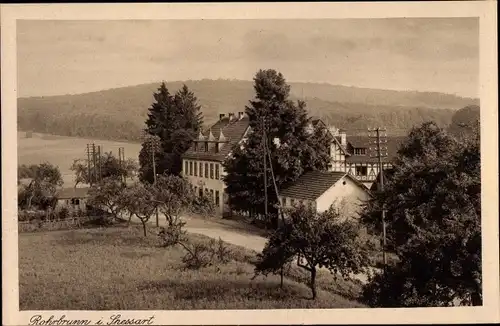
x: 213, y: 290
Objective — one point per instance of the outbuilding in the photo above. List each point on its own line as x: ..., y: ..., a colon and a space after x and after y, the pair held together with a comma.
x: 322, y: 189
x: 72, y: 198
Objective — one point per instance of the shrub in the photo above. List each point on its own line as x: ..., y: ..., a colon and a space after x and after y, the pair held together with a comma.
x: 172, y: 234
x: 64, y: 213
x: 200, y: 255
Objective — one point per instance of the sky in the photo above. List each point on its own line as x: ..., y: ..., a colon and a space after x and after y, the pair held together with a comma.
x: 423, y: 54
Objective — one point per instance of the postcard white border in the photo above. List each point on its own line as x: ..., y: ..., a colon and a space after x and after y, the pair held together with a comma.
x: 486, y: 10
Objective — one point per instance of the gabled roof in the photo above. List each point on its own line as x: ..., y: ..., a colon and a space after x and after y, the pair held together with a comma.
x: 312, y: 185
x: 392, y: 145
x: 232, y: 132
x: 69, y: 193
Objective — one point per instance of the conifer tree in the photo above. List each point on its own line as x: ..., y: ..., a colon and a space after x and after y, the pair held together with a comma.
x: 175, y: 120
x: 292, y: 148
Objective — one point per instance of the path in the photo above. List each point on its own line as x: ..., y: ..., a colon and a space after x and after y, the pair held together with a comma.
x: 230, y: 231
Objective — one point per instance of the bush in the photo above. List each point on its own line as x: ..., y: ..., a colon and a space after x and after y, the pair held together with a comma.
x: 172, y: 234
x: 64, y: 213
x: 200, y: 255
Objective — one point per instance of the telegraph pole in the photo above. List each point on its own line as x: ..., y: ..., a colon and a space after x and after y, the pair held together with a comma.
x: 264, y: 140
x: 99, y: 161
x: 123, y: 166
x: 94, y: 161
x: 153, y: 149
x: 379, y: 154
x: 121, y: 160
x: 88, y: 165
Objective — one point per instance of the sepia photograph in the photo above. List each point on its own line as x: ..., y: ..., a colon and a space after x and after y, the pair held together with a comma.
x: 235, y: 163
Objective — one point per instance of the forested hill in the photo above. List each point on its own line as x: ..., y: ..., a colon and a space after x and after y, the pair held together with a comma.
x: 119, y: 114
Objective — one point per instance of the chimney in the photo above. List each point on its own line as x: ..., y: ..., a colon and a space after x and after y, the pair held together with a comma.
x: 343, y: 137
x: 221, y: 116
x: 241, y: 115
x: 231, y: 116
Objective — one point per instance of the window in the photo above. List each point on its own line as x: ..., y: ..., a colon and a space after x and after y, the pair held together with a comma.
x: 195, y: 169
x: 186, y: 167
x: 75, y: 201
x: 217, y: 171
x: 190, y: 168
x: 292, y: 202
x: 201, y: 169
x: 206, y: 146
x: 212, y: 194
x: 211, y: 170
x: 206, y: 170
x: 360, y: 151
x: 361, y: 170
x: 195, y: 189
x: 200, y: 192
x: 217, y: 199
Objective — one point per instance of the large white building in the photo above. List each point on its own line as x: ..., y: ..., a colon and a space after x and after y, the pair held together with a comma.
x: 202, y: 163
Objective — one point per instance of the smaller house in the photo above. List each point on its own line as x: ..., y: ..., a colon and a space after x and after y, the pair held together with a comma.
x: 72, y: 198
x: 321, y: 189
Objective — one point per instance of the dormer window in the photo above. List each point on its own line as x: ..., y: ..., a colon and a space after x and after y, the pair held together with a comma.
x: 360, y: 151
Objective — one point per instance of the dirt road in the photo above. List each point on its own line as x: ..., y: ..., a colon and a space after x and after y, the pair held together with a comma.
x: 234, y: 232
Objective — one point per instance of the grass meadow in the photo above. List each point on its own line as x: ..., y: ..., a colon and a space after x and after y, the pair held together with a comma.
x: 61, y: 151
x: 116, y: 268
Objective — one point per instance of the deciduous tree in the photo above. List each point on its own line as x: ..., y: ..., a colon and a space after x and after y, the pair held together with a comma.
x: 43, y: 179
x: 141, y: 202
x: 319, y: 240
x: 433, y: 222
x: 108, y: 167
x: 109, y: 196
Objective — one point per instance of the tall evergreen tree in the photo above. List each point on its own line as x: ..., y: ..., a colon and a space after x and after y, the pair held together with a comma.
x: 292, y: 148
x: 175, y: 120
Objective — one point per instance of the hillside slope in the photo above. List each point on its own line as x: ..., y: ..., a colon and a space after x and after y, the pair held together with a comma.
x: 119, y: 114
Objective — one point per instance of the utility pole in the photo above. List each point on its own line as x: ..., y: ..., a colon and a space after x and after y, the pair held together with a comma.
x: 94, y: 160
x: 100, y: 161
x: 379, y: 154
x: 153, y: 149
x: 124, y: 166
x: 264, y: 142
x: 88, y: 165
x: 121, y: 160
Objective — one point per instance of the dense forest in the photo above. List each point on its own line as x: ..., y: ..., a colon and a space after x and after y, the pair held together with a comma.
x: 119, y: 114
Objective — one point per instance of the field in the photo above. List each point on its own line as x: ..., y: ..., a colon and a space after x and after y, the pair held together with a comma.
x: 61, y: 151
x: 117, y: 269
